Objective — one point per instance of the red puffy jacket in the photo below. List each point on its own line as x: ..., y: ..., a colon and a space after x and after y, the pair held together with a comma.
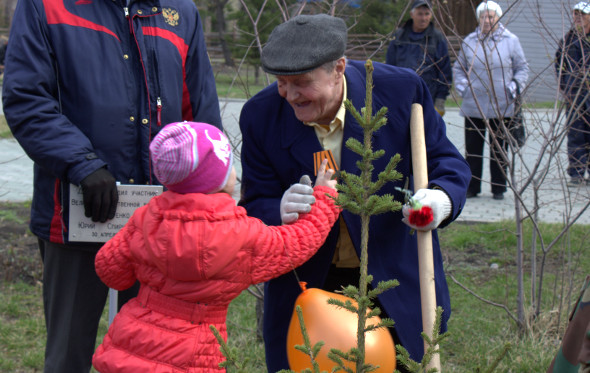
x: 193, y: 254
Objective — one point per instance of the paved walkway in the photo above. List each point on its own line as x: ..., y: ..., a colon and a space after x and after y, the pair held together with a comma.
x: 556, y: 203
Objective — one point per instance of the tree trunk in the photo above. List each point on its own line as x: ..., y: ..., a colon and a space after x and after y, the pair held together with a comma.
x: 9, y: 6
x: 220, y: 26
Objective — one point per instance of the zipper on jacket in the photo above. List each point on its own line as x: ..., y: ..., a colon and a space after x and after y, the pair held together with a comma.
x: 157, y: 87
x: 143, y: 68
x: 126, y: 11
x: 159, y: 111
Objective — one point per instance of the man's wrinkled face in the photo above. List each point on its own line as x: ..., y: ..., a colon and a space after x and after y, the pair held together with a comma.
x: 315, y: 96
x: 582, y: 21
x: 421, y: 17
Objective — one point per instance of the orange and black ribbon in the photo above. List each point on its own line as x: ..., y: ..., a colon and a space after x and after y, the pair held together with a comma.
x: 318, y: 157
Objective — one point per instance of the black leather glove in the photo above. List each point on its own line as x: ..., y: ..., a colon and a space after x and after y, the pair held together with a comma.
x: 99, y: 191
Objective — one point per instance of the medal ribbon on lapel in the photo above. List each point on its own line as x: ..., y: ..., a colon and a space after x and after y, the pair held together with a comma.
x: 318, y: 157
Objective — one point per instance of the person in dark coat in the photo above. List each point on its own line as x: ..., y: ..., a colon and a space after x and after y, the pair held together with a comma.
x: 3, y: 45
x: 573, y: 355
x: 418, y: 45
x: 572, y: 61
x: 301, y: 114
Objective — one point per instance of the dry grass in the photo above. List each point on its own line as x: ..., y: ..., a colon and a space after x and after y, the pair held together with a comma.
x: 4, y: 130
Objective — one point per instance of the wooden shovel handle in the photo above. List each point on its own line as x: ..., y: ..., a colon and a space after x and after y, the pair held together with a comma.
x: 425, y: 255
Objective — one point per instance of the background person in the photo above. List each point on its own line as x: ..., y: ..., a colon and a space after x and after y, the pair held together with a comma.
x: 489, y: 70
x: 421, y: 47
x: 194, y: 251
x: 572, y: 63
x: 84, y: 96
x: 302, y: 114
x: 3, y: 46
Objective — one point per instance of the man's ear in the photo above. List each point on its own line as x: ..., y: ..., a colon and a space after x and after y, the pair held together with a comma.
x: 340, y: 66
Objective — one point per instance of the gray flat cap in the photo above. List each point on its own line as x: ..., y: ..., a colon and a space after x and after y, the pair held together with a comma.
x: 304, y: 43
x: 419, y: 3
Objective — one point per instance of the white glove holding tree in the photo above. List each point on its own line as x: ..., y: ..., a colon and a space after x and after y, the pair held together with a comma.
x: 427, y: 209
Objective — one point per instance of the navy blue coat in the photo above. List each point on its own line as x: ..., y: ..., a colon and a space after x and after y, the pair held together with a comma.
x: 572, y: 58
x: 277, y: 150
x: 89, y: 83
x: 426, y: 53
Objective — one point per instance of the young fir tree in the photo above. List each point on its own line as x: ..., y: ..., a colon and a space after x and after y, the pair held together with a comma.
x: 358, y: 194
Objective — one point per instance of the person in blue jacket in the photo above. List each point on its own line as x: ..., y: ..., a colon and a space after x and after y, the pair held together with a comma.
x: 286, y: 124
x: 420, y: 46
x: 87, y: 86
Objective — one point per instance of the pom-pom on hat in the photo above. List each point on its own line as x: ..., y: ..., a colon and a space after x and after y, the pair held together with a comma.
x: 304, y: 43
x: 488, y: 5
x: 191, y: 157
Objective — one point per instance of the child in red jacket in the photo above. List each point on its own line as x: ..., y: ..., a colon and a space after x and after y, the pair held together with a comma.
x: 193, y: 251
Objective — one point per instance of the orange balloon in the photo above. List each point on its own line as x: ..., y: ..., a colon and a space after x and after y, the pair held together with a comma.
x: 337, y: 328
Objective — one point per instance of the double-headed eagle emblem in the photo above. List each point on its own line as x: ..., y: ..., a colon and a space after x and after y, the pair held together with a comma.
x: 170, y: 16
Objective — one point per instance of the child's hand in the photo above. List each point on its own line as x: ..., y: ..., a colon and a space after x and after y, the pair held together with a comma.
x: 324, y: 177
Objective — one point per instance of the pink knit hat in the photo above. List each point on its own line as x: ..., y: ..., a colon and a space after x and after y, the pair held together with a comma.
x: 190, y: 157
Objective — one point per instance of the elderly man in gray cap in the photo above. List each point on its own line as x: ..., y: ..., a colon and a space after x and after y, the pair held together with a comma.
x: 301, y: 118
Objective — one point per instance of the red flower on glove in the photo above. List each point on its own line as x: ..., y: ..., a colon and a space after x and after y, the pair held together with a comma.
x: 421, y: 216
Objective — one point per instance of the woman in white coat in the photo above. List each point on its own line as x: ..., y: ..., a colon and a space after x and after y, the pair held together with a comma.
x: 489, y: 71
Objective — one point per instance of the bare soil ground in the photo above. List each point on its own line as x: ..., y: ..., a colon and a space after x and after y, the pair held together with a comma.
x: 19, y: 254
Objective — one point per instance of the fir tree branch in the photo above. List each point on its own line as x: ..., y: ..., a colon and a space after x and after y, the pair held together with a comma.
x: 227, y: 353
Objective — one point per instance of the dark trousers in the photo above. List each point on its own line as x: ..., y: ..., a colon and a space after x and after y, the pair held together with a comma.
x: 578, y: 142
x: 475, y: 132
x: 73, y: 298
x: 339, y: 277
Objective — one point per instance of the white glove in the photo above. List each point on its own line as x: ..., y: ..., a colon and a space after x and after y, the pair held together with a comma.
x: 460, y: 87
x: 297, y: 200
x: 437, y: 200
x: 512, y: 88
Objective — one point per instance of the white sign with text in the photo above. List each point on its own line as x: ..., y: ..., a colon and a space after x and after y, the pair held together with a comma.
x: 83, y: 229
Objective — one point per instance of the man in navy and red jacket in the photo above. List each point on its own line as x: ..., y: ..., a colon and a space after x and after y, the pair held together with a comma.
x: 87, y: 85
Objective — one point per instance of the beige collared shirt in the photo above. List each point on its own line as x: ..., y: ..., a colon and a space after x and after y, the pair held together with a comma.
x: 330, y: 137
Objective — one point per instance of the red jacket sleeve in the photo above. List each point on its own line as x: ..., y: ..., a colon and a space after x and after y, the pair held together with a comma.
x: 113, y: 261
x: 282, y: 248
